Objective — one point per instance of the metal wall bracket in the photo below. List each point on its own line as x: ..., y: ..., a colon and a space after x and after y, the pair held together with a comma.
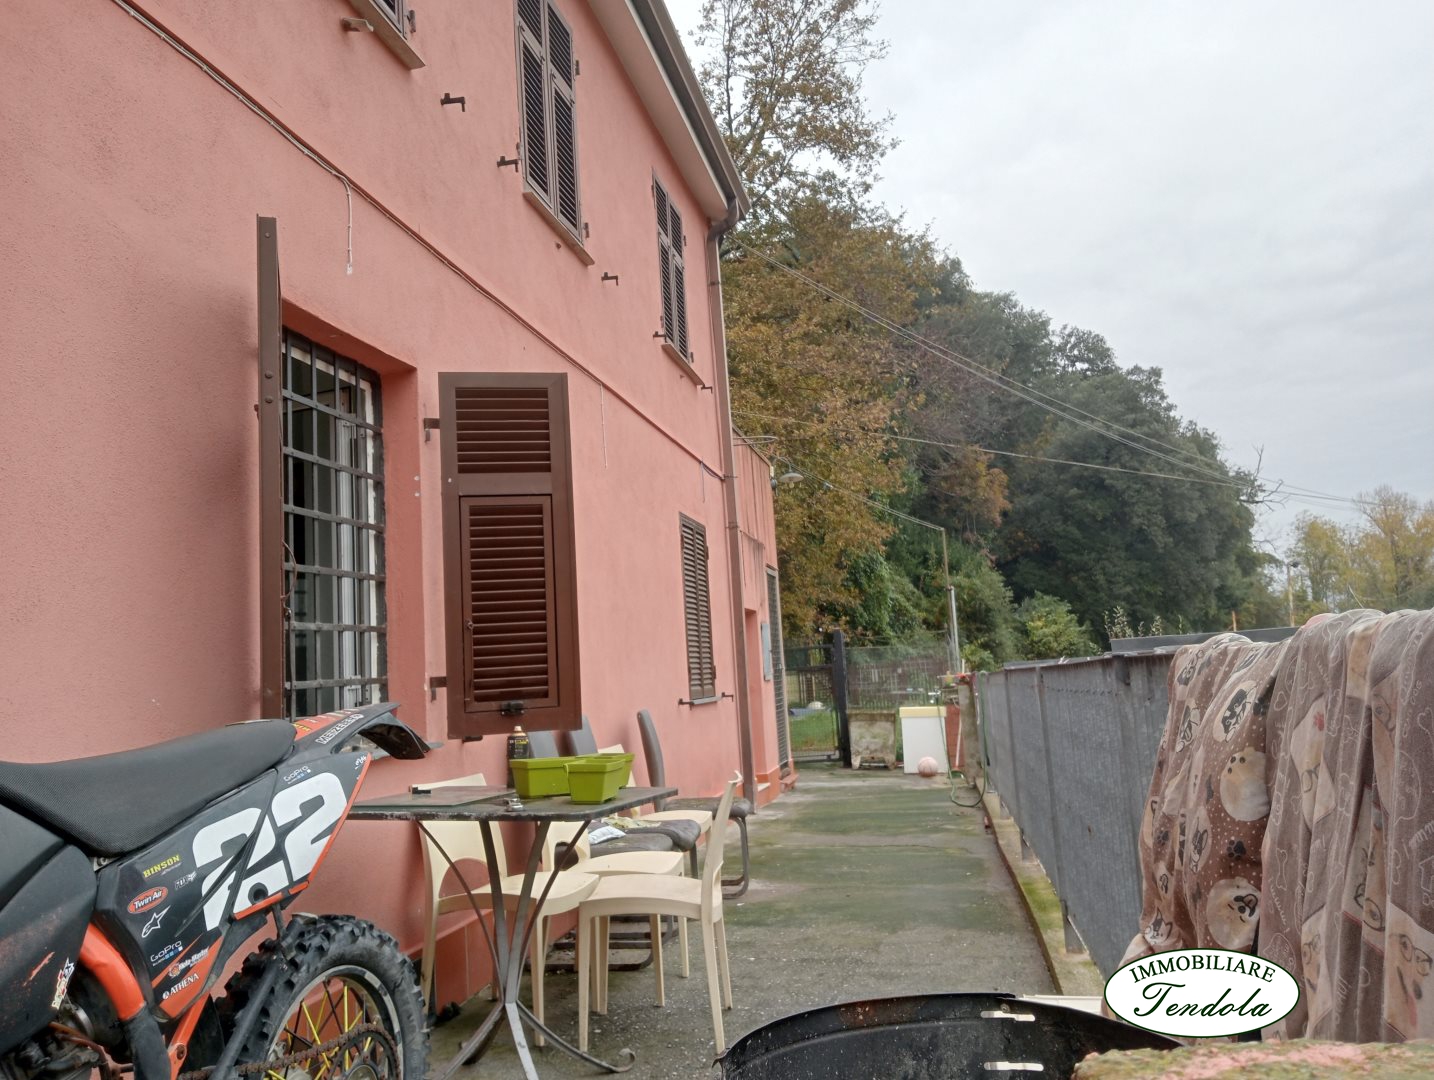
x: 430, y: 425
x: 505, y: 162
x: 449, y: 99
x: 435, y: 684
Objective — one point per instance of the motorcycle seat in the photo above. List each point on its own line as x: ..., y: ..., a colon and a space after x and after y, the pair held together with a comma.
x: 116, y: 803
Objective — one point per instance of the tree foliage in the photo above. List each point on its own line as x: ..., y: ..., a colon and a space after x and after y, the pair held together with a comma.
x: 1175, y: 548
x: 1051, y: 629
x: 1385, y: 561
x: 882, y: 374
x: 784, y: 79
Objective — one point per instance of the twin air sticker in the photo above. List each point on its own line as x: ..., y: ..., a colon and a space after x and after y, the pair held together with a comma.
x: 1199, y: 993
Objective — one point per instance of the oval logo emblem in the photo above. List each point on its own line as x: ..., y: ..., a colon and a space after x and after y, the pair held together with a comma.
x: 147, y: 899
x: 1197, y: 993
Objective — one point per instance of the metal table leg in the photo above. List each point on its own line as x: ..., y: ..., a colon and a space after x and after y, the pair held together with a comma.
x: 508, y: 946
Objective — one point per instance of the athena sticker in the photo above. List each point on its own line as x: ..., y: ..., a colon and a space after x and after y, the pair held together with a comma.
x: 1197, y: 993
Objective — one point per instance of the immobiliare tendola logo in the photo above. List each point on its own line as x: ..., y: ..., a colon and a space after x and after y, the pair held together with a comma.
x: 1199, y: 993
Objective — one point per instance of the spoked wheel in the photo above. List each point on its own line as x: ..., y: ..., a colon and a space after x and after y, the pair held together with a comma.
x: 345, y: 1007
x: 343, y: 1028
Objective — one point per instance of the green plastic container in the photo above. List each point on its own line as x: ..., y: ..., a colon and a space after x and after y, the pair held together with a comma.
x: 536, y: 778
x: 596, y: 778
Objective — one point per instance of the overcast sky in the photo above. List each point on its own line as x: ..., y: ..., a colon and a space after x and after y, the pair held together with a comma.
x: 1236, y: 191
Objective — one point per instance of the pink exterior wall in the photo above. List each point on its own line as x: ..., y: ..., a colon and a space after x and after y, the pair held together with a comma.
x: 128, y: 440
x: 759, y: 551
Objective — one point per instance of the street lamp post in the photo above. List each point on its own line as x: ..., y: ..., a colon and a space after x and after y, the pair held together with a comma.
x: 1289, y: 589
x: 957, y: 664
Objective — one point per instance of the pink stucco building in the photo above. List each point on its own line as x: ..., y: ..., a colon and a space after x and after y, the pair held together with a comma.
x: 347, y: 364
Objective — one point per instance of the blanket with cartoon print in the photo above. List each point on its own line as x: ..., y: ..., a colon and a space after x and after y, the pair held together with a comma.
x: 1291, y: 813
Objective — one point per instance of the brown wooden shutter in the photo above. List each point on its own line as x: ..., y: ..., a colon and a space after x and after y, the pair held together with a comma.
x: 271, y: 473
x: 697, y: 611
x: 670, y: 269
x: 547, y: 101
x: 679, y: 283
x: 511, y: 604
x: 533, y: 97
x: 565, y: 135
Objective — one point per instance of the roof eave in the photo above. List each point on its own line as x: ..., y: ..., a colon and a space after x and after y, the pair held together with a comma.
x: 648, y: 45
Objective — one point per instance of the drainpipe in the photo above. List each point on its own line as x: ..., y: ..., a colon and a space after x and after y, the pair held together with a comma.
x: 729, y: 489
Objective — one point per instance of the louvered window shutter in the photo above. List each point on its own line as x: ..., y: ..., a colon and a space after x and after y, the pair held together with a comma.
x: 511, y: 606
x: 670, y: 270
x: 565, y: 121
x: 533, y: 97
x: 679, y: 283
x: 271, y: 469
x: 547, y: 101
x: 697, y: 612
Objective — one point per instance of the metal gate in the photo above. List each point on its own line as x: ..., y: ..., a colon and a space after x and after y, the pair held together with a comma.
x: 815, y: 692
x: 779, y: 675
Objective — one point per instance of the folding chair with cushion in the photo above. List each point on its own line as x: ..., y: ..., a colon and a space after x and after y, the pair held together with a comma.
x: 657, y: 777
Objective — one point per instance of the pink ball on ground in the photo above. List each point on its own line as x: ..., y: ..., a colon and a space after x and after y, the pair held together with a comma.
x: 927, y: 766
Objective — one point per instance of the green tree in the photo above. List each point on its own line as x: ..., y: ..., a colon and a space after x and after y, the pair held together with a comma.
x: 1179, y: 549
x: 950, y: 431
x: 1051, y: 629
x: 1321, y: 547
x: 990, y: 633
x: 827, y: 384
x: 784, y: 78
x: 1385, y: 561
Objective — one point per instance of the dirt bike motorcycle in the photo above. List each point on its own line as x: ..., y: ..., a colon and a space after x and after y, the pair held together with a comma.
x: 128, y: 881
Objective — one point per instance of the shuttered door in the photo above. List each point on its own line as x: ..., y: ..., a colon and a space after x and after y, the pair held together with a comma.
x: 779, y: 672
x: 511, y: 607
x: 697, y: 612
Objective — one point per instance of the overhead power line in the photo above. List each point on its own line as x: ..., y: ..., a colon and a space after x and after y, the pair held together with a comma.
x: 999, y: 453
x: 1036, y: 397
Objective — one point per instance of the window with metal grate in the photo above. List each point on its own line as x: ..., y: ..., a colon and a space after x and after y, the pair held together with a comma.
x: 547, y: 105
x: 511, y: 607
x: 697, y: 612
x: 335, y: 626
x: 671, y: 271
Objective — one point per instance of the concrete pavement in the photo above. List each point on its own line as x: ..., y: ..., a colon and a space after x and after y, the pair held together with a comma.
x: 865, y: 884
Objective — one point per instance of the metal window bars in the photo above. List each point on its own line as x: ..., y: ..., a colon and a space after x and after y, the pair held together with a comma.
x: 335, y: 618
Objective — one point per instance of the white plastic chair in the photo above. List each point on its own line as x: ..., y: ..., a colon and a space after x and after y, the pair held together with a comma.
x: 661, y: 863
x: 463, y: 841
x: 653, y: 895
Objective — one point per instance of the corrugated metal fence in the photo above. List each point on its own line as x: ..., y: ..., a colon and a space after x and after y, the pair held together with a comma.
x: 1071, y: 746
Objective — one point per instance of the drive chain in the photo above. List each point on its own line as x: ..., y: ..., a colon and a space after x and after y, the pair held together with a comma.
x: 298, y: 1057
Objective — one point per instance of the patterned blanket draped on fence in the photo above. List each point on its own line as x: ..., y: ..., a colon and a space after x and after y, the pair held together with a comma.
x: 1286, y: 816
